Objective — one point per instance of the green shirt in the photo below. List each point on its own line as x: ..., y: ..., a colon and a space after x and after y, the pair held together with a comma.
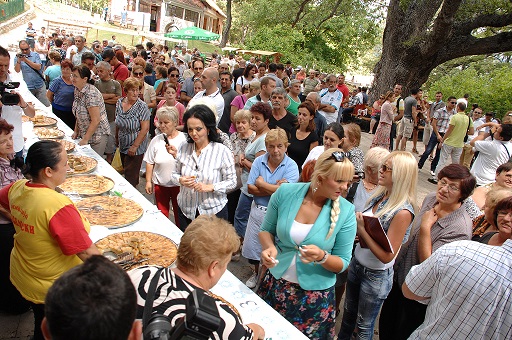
x: 293, y: 107
x: 460, y: 127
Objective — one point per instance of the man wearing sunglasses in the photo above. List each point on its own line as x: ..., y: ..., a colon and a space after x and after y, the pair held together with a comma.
x: 29, y: 63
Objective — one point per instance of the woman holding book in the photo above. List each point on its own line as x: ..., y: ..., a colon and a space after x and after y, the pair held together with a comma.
x: 370, y: 274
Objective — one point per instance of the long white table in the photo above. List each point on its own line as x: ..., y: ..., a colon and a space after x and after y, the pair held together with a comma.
x: 251, y: 307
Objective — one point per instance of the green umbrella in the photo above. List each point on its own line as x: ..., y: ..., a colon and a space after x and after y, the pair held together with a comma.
x: 193, y: 33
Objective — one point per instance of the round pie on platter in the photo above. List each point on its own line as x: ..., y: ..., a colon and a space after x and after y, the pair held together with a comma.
x: 154, y: 248
x: 81, y: 164
x: 87, y: 185
x: 69, y: 146
x: 40, y: 120
x: 46, y: 133
x: 110, y: 211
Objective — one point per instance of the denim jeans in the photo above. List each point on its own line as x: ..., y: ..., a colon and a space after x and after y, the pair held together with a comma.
x: 243, y: 209
x: 366, y: 291
x: 432, y: 143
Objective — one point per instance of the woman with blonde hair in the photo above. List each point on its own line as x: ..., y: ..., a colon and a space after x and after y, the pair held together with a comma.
x: 370, y: 275
x: 159, y: 160
x: 351, y: 143
x: 307, y: 237
x: 203, y: 255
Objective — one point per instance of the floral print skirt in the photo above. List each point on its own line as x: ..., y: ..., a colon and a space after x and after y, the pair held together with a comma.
x: 381, y: 137
x: 311, y: 311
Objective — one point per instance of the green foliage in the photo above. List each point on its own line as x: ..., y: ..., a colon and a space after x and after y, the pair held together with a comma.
x: 330, y: 35
x: 487, y: 82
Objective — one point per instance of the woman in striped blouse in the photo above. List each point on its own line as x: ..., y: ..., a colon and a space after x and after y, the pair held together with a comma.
x: 205, y: 168
x: 132, y: 126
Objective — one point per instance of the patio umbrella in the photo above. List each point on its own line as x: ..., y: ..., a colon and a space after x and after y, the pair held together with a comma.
x: 193, y: 33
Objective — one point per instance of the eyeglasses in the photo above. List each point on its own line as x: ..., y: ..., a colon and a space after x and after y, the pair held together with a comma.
x: 174, y: 75
x: 385, y: 168
x: 107, y: 60
x: 138, y: 73
x: 154, y: 52
x: 453, y: 103
x: 451, y: 188
x: 339, y: 156
x: 503, y: 213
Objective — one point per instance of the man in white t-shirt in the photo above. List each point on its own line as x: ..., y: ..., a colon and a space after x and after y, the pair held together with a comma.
x: 492, y: 154
x: 331, y: 99
x: 209, y: 79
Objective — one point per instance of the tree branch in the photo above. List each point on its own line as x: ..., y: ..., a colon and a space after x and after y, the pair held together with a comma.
x: 299, y: 12
x: 444, y: 22
x: 484, y: 20
x: 469, y: 45
x: 331, y: 14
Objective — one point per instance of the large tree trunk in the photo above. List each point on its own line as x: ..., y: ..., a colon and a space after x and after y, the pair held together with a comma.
x: 227, y: 27
x: 420, y: 35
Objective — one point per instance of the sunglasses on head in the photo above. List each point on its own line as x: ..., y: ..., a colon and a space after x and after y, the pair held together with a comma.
x: 339, y: 156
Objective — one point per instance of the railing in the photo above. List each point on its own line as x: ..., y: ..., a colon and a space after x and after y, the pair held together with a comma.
x: 10, y: 8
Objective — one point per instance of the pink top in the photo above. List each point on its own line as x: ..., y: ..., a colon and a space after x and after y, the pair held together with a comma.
x: 386, y: 113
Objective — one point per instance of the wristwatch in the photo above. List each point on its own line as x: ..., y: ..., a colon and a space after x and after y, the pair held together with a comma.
x: 322, y: 261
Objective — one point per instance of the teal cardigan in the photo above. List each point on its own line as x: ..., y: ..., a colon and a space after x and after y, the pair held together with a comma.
x: 281, y: 211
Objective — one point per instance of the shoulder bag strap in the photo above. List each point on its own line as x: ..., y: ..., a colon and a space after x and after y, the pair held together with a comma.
x: 508, y: 153
x: 150, y: 297
x: 36, y: 71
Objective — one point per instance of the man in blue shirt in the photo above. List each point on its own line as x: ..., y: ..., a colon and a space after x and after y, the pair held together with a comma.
x: 29, y: 64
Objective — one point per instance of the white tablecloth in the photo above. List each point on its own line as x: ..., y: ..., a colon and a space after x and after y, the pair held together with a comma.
x: 251, y: 307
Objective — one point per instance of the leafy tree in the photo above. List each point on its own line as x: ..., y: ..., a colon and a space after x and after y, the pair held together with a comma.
x: 420, y: 35
x: 487, y: 81
x: 326, y: 34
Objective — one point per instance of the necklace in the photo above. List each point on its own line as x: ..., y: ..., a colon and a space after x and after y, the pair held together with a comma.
x: 367, y: 187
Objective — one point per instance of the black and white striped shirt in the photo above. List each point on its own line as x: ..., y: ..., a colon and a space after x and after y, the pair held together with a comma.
x: 214, y: 165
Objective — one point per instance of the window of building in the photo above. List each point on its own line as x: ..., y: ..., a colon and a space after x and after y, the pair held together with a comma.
x: 174, y: 11
x: 191, y: 16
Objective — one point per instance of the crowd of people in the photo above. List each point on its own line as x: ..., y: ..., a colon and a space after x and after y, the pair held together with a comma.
x: 274, y: 152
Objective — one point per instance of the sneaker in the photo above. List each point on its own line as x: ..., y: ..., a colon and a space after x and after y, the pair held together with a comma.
x: 432, y: 173
x: 432, y: 180
x: 251, y: 283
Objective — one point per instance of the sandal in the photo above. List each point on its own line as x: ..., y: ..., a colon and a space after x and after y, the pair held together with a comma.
x: 415, y: 151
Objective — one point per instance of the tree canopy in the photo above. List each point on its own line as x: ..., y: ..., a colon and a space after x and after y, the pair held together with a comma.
x: 326, y: 34
x: 420, y: 35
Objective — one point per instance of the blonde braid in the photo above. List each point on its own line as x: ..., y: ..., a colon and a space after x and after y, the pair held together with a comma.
x: 335, y: 212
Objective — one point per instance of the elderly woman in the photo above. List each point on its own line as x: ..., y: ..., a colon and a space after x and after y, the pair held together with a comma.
x: 502, y: 219
x: 351, y: 144
x: 485, y: 222
x: 61, y: 94
x: 239, y: 141
x: 383, y: 131
x: 248, y: 90
x: 260, y: 116
x: 159, y: 162
x: 293, y: 97
x: 268, y: 172
x: 307, y: 238
x: 303, y: 138
x: 360, y: 192
x: 503, y: 180
x: 370, y: 275
x: 89, y: 109
x: 51, y: 234
x: 442, y: 219
x: 205, y: 168
x: 132, y: 127
x: 333, y: 138
x: 10, y: 299
x: 203, y: 255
